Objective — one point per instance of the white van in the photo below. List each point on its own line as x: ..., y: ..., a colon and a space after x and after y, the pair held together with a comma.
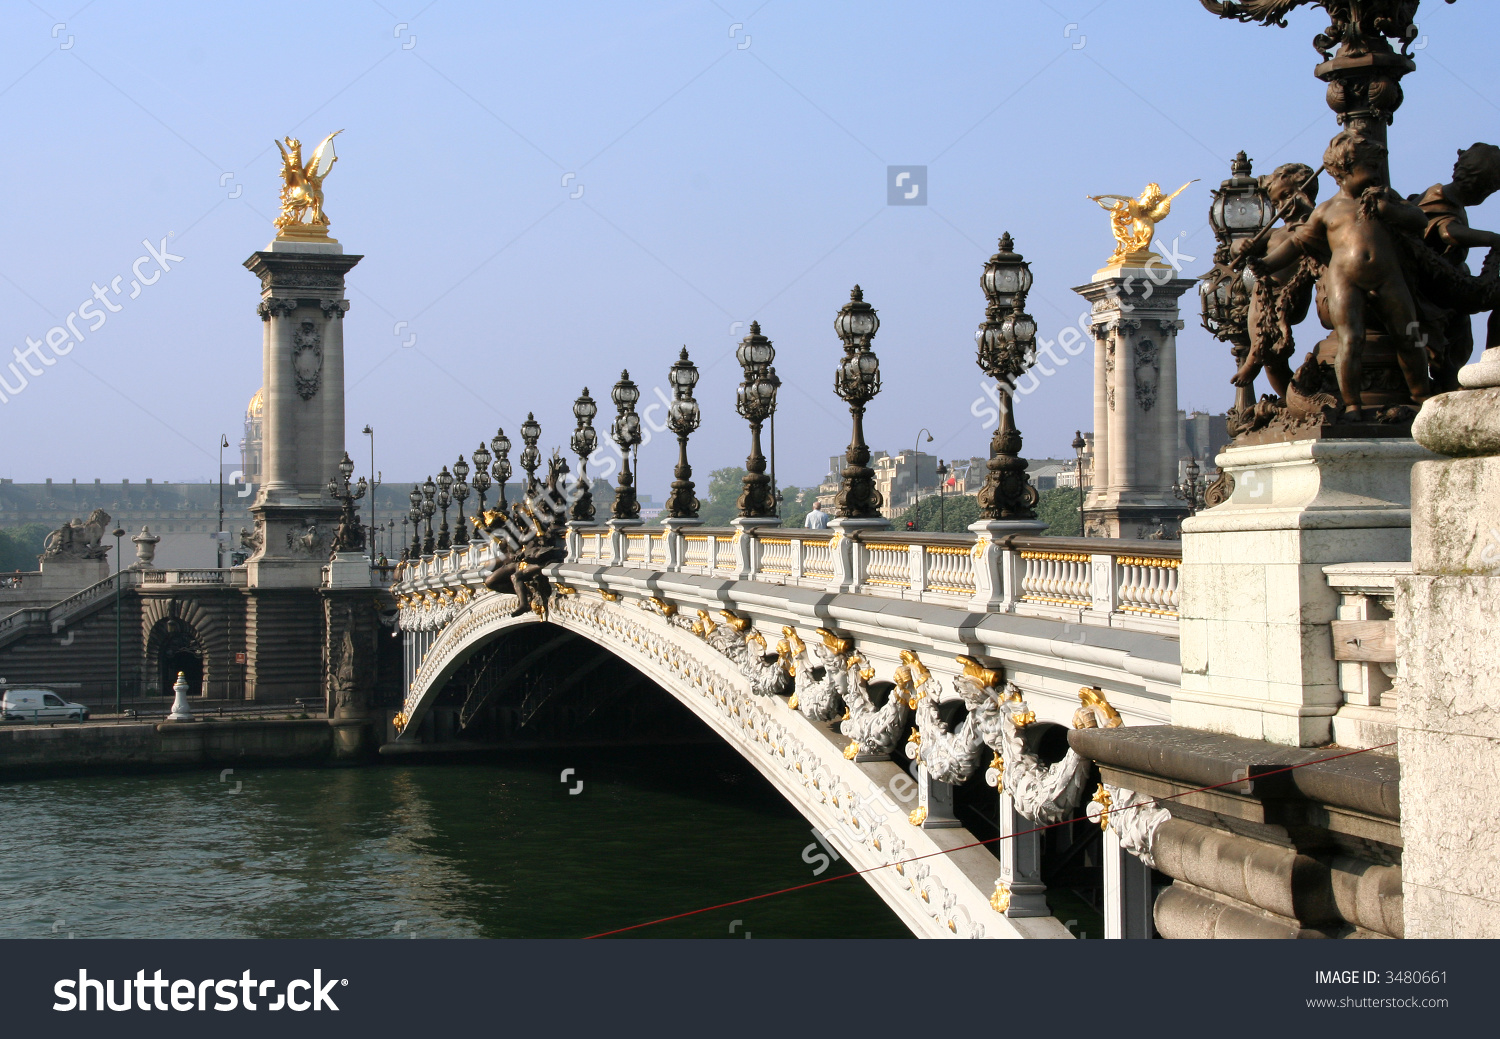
x: 39, y: 705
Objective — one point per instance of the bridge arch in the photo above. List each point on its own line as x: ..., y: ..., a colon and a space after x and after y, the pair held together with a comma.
x: 861, y: 808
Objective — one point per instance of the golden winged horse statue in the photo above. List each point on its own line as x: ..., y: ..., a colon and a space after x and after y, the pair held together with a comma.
x: 302, y: 184
x: 1134, y: 220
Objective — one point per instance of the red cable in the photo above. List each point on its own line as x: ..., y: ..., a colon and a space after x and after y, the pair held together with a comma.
x: 976, y: 844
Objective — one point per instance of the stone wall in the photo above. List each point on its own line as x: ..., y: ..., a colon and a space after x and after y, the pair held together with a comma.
x: 1448, y: 714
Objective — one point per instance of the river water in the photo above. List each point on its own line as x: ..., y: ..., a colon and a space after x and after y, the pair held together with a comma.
x: 484, y: 849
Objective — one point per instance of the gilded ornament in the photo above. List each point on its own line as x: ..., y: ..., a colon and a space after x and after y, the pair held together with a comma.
x: 302, y: 213
x: 1096, y: 711
x: 1133, y: 222
x: 851, y: 751
x: 1101, y: 797
x: 834, y: 642
x: 984, y: 676
x: 609, y: 596
x: 1000, y: 900
x: 918, y: 816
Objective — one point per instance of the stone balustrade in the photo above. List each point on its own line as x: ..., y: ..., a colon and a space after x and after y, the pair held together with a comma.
x: 1128, y: 584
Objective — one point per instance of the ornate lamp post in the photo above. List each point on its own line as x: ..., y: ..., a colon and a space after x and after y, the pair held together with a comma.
x: 415, y: 515
x: 531, y: 456
x: 857, y: 381
x: 626, y: 433
x: 1240, y: 209
x: 501, y: 445
x: 460, y: 494
x: 406, y: 550
x: 682, y: 419
x: 1078, y: 445
x: 1007, y: 348
x: 942, y: 475
x: 351, y: 533
x: 1190, y: 489
x: 584, y: 442
x: 756, y: 401
x: 481, y: 481
x: 429, y: 489
x: 444, y: 499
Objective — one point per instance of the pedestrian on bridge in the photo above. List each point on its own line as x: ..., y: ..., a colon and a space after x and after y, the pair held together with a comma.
x: 817, y: 519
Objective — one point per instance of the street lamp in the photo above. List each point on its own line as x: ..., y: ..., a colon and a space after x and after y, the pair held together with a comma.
x: 415, y: 515
x: 460, y: 493
x: 1240, y: 209
x: 406, y: 550
x: 481, y: 481
x: 1078, y: 445
x: 916, y: 473
x: 219, y: 538
x: 942, y: 476
x: 857, y: 381
x: 531, y: 457
x: 1190, y: 489
x: 501, y: 444
x: 584, y: 442
x: 118, y: 532
x: 350, y: 536
x: 375, y: 482
x: 756, y: 401
x: 1007, y: 348
x: 682, y: 419
x: 429, y: 489
x: 444, y: 499
x: 626, y: 433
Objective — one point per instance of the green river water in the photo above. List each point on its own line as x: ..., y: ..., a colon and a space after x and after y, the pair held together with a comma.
x: 486, y: 849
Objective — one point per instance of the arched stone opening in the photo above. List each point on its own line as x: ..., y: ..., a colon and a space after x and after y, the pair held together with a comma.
x: 174, y: 646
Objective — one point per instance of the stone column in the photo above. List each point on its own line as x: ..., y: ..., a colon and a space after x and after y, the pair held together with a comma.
x: 302, y: 308
x: 1167, y: 431
x: 1021, y: 862
x: 1136, y: 319
x: 1448, y: 711
x: 1102, y: 333
x: 935, y: 800
x: 1127, y: 891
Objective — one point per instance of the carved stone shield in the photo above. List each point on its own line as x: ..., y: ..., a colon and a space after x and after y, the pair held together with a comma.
x: 307, y: 359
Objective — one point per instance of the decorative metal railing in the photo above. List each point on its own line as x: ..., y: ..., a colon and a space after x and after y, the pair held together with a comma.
x: 1132, y: 583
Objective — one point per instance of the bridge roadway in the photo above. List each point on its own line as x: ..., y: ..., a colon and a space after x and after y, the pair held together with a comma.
x: 767, y: 634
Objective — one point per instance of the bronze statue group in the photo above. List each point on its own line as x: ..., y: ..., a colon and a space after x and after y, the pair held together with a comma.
x: 528, y: 536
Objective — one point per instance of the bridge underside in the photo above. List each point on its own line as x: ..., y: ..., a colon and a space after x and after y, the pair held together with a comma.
x: 586, y: 674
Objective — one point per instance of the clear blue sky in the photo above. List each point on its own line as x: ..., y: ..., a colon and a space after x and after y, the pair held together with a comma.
x: 722, y: 183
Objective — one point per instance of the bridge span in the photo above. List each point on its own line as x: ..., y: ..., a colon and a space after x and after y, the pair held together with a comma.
x: 867, y: 676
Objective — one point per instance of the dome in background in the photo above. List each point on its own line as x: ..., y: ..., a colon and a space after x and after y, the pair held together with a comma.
x: 257, y: 405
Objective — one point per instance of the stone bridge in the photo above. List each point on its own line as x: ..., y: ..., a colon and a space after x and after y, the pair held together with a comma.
x: 871, y: 677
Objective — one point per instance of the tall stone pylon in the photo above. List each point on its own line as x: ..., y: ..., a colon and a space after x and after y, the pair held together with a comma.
x: 302, y: 309
x: 1135, y: 322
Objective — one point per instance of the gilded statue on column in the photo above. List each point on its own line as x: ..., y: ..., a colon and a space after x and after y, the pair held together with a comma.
x: 302, y: 188
x: 1134, y: 220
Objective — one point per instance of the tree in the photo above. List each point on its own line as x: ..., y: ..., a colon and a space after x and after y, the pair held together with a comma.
x: 953, y: 512
x: 20, y: 546
x: 796, y: 503
x: 1059, y: 509
x: 721, y: 504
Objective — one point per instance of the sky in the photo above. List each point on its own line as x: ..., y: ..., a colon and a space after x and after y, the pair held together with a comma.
x: 546, y: 194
